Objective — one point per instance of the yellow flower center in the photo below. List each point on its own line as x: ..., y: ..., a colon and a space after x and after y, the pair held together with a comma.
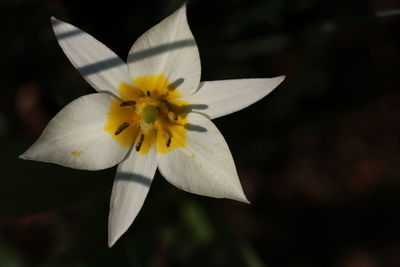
x: 150, y: 112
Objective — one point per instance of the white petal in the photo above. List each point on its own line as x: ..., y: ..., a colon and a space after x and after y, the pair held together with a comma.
x: 205, y: 166
x: 100, y: 66
x: 132, y: 183
x: 75, y: 137
x: 218, y: 98
x: 170, y: 49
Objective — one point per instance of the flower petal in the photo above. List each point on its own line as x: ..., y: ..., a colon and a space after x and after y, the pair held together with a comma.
x: 170, y: 49
x: 205, y: 166
x: 100, y: 66
x: 132, y: 183
x: 218, y: 98
x: 75, y: 137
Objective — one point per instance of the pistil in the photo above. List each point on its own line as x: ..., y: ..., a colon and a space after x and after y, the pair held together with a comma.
x: 150, y: 114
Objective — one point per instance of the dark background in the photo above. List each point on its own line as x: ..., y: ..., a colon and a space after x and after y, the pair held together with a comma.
x: 318, y: 158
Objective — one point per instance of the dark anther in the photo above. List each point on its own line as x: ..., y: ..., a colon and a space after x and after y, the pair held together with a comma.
x: 128, y: 103
x: 148, y: 93
x: 176, y: 84
x: 168, y: 138
x: 120, y: 128
x: 140, y: 142
x: 169, y: 141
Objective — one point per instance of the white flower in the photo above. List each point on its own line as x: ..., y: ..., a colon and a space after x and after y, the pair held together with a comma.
x: 151, y: 112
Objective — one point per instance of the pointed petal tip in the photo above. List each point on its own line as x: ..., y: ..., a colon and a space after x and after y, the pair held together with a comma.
x: 23, y: 156
x: 243, y: 199
x: 112, y: 237
x: 183, y: 7
x: 53, y: 20
x: 111, y: 243
x: 239, y: 196
x: 281, y: 78
x: 246, y: 201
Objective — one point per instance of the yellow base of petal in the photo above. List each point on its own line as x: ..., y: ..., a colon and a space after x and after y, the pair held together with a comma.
x: 130, y: 121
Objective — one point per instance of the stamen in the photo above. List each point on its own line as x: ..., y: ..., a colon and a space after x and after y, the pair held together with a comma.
x: 140, y: 142
x: 164, y: 108
x: 148, y: 93
x: 122, y: 127
x: 168, y: 138
x: 128, y: 103
x: 168, y: 141
x: 172, y: 116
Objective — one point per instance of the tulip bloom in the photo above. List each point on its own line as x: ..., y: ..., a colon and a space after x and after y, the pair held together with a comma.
x: 150, y: 112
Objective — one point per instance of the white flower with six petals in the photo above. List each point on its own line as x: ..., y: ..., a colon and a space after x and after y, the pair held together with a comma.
x: 149, y: 112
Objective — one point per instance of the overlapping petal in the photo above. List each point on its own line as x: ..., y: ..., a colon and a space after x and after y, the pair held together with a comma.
x: 100, y: 66
x: 218, y: 98
x: 75, y: 137
x: 205, y: 166
x: 168, y: 48
x: 132, y: 183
